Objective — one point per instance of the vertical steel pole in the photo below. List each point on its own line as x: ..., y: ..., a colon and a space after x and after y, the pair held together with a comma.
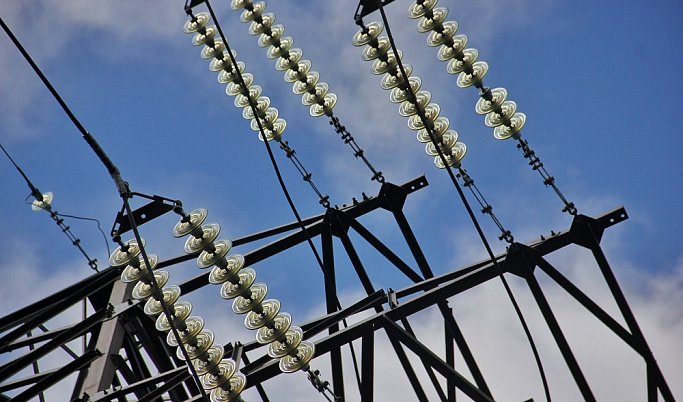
x: 367, y: 365
x: 331, y: 300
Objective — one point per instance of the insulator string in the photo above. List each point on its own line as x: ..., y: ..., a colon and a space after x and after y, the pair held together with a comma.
x: 495, y: 263
x: 283, y: 186
x: 298, y: 71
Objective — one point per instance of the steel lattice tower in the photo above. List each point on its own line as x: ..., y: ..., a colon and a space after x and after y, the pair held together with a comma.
x: 127, y: 357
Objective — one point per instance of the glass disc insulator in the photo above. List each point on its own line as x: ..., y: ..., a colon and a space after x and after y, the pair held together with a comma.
x: 181, y: 310
x: 447, y: 52
x: 301, y: 87
x: 380, y: 67
x: 408, y: 108
x: 232, y: 391
x: 226, y: 369
x: 281, y: 324
x: 324, y: 106
x: 206, y: 259
x: 143, y: 290
x: 275, y: 133
x: 392, y: 81
x: 229, y: 74
x: 267, y: 120
x: 198, y: 346
x: 507, y: 110
x: 262, y: 104
x: 373, y: 52
x: 503, y: 132
x: 498, y: 96
x: 235, y: 88
x: 242, y: 305
x: 463, y: 61
x: 267, y: 39
x: 203, y: 38
x: 243, y: 281
x: 315, y: 94
x: 277, y: 51
x: 171, y: 294
x: 239, y: 4
x: 448, y: 140
x: 441, y: 125
x: 212, y: 358
x: 132, y: 273
x: 200, y: 21
x: 209, y: 234
x: 254, y: 93
x: 293, y: 338
x: 257, y: 28
x: 479, y: 70
x: 193, y: 326
x: 431, y: 112
x: 360, y: 38
x: 417, y: 10
x: 400, y: 93
x: 437, y: 38
x: 45, y: 203
x: 209, y: 52
x: 120, y: 258
x: 256, y: 10
x: 300, y: 71
x: 269, y: 309
x: 224, y: 63
x: 457, y: 153
x: 197, y: 217
x: 439, y: 15
x: 304, y: 354
x: 233, y: 264
x: 287, y: 63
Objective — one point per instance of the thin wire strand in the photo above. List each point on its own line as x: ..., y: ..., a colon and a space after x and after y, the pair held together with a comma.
x: 467, y: 206
x: 99, y: 227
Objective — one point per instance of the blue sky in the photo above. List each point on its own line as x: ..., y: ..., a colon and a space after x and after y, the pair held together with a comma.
x: 598, y: 81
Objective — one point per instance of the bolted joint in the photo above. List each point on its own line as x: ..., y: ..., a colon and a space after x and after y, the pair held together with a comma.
x: 507, y: 236
x: 570, y: 208
x: 325, y: 201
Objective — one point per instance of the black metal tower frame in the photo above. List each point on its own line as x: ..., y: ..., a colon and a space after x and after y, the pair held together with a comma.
x: 119, y: 325
x: 126, y: 356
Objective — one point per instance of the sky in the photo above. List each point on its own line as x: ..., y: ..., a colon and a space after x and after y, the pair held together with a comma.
x: 598, y: 82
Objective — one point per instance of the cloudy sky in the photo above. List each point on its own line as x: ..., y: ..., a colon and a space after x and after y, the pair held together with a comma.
x: 598, y: 81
